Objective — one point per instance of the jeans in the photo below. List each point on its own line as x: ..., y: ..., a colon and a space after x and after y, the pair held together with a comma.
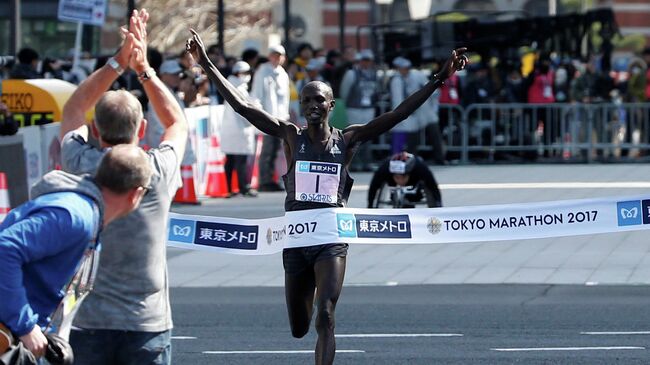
x: 113, y: 347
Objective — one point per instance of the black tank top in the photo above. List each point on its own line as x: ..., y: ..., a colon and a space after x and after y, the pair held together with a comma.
x: 317, y: 179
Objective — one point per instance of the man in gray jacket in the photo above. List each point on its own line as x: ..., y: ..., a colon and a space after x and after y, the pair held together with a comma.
x: 127, y: 317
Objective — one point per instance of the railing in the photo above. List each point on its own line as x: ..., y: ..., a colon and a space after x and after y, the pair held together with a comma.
x: 547, y: 132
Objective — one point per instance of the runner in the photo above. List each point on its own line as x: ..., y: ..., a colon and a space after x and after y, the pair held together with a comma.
x: 318, y: 270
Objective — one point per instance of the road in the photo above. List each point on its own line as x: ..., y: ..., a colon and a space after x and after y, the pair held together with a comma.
x: 423, y: 324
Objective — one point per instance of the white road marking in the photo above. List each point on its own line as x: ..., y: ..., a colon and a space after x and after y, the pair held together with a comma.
x: 541, y: 185
x: 388, y: 335
x: 569, y: 348
x: 617, y: 333
x: 183, y: 338
x: 278, y: 352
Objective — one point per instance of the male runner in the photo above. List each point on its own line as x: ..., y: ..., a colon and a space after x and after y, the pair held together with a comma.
x: 319, y: 267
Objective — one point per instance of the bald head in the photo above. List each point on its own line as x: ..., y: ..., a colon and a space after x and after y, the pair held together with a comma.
x: 124, y: 167
x: 117, y: 116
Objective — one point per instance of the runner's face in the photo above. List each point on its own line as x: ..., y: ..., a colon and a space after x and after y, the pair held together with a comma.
x: 315, y: 103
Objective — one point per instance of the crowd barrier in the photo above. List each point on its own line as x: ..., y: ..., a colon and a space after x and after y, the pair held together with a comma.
x: 550, y: 132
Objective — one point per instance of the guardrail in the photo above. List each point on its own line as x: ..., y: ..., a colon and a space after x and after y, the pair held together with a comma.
x: 548, y: 132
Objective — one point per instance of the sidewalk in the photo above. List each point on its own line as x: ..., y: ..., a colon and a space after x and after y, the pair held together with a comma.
x: 622, y: 258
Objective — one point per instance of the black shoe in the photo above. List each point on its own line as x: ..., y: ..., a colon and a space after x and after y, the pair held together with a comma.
x: 271, y: 187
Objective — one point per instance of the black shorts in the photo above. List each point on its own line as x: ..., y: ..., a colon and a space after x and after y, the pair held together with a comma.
x: 295, y: 260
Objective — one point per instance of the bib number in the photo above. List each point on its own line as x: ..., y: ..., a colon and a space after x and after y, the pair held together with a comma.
x: 317, y: 182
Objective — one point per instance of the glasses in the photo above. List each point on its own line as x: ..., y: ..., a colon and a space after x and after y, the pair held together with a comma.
x: 146, y: 190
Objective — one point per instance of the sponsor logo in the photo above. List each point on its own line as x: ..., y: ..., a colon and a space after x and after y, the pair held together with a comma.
x: 273, y: 236
x: 346, y: 225
x: 373, y: 226
x: 181, y: 230
x: 224, y: 235
x: 335, y: 150
x: 434, y: 225
x: 629, y: 213
x: 318, y: 198
x: 302, y: 148
x: 318, y: 167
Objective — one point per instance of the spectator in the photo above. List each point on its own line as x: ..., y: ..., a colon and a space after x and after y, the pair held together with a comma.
x: 238, y: 135
x: 43, y: 241
x: 127, y: 318
x: 479, y: 88
x: 305, y: 54
x: 637, y: 82
x: 27, y: 65
x: 347, y: 62
x: 359, y: 92
x: 592, y: 86
x: 271, y: 88
x: 171, y: 75
x: 540, y: 83
x: 332, y: 61
x: 8, y: 126
x: 514, y: 89
x: 404, y: 83
x: 646, y: 58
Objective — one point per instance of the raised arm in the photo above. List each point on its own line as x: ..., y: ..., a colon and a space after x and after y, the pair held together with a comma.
x: 255, y: 115
x: 363, y: 132
x: 91, y: 89
x: 163, y: 102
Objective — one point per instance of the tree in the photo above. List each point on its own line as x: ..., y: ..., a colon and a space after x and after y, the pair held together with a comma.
x: 171, y: 19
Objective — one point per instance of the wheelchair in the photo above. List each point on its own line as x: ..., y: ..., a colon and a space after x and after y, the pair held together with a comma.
x: 402, y: 196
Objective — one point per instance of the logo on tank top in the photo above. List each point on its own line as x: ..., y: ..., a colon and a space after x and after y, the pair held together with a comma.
x: 302, y: 148
x: 335, y: 150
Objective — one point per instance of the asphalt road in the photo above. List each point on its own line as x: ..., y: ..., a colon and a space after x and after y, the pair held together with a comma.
x: 435, y: 324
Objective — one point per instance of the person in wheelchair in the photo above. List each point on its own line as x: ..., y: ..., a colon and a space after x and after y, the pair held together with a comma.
x: 403, y: 181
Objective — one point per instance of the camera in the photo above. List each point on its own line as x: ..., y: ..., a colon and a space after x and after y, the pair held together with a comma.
x: 6, y: 61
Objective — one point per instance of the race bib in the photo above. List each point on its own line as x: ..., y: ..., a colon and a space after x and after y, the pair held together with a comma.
x: 548, y: 92
x: 317, y: 181
x: 453, y: 94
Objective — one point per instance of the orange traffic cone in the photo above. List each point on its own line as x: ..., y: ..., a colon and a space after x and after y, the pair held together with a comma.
x: 186, y: 194
x: 4, y: 197
x: 216, y: 186
x: 255, y: 176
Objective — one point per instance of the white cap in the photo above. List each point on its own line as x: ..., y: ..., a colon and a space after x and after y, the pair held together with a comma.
x: 278, y: 48
x: 240, y: 66
x: 401, y: 62
x: 366, y: 54
x: 170, y: 67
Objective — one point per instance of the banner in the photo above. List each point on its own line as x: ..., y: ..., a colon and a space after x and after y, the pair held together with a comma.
x: 504, y: 222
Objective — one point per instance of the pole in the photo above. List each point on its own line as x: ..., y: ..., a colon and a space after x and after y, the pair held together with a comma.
x: 77, y: 46
x: 287, y: 24
x: 552, y: 7
x: 342, y: 25
x: 220, y: 25
x: 14, y: 42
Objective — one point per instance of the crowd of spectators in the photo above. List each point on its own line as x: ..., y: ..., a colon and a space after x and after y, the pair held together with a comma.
x: 360, y: 84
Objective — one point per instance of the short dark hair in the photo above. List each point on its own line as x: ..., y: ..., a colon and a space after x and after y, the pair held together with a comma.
x: 27, y: 55
x: 124, y: 167
x: 249, y: 54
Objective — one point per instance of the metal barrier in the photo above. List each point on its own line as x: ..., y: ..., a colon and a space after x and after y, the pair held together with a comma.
x: 547, y: 132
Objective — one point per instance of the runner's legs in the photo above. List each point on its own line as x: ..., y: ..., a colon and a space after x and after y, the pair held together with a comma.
x: 329, y: 281
x: 299, y: 292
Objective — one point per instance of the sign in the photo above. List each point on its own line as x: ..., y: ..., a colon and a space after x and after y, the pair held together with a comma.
x: 36, y: 102
x: 91, y: 12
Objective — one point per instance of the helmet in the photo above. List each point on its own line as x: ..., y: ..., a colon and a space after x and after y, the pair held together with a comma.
x: 401, y: 163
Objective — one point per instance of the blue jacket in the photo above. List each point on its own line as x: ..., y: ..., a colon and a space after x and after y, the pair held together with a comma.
x: 41, y: 244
